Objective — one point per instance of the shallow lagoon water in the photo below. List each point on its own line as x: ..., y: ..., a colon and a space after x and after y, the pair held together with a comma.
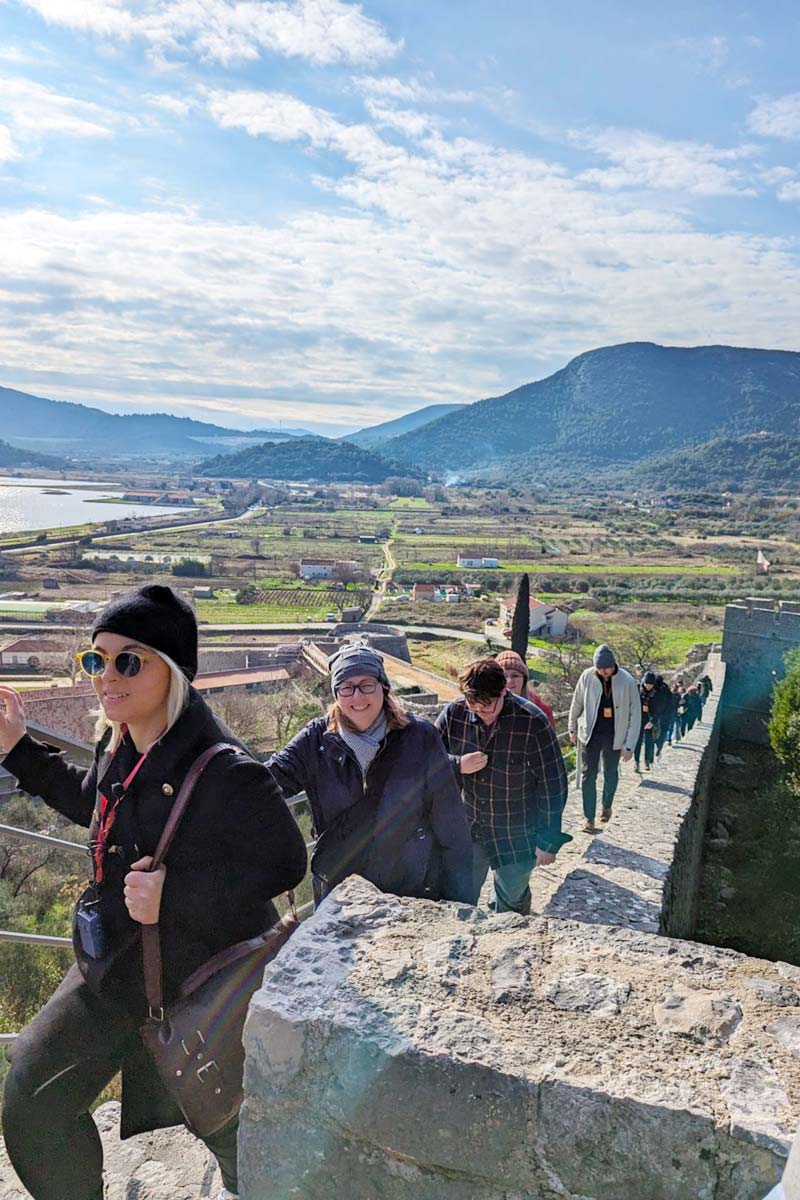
x: 27, y: 504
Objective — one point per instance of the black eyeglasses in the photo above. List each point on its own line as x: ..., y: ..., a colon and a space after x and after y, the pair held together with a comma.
x: 127, y: 663
x: 349, y: 689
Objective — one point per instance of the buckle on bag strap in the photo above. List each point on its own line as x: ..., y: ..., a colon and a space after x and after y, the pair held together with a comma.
x: 156, y: 1014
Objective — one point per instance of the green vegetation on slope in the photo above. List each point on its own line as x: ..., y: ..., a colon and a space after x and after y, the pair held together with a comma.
x: 301, y: 460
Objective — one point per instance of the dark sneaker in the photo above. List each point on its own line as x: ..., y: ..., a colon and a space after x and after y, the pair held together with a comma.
x: 590, y: 827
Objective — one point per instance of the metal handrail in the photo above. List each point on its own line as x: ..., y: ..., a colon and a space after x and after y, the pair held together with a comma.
x: 28, y: 835
x: 34, y: 939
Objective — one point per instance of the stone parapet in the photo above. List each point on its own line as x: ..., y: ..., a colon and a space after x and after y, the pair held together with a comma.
x: 406, y: 1050
x: 757, y: 635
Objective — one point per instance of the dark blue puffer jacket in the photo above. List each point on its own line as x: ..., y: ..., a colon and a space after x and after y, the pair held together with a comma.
x: 419, y: 812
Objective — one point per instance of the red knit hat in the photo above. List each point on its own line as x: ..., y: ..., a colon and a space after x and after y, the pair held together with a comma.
x: 511, y: 661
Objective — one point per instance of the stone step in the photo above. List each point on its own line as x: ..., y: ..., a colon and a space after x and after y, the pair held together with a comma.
x: 169, y: 1164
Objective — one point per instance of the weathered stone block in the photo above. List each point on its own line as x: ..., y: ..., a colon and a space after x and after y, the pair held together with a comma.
x: 399, y: 1050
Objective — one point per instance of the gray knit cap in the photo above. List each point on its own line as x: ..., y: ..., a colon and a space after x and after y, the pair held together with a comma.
x: 604, y: 657
x: 356, y: 660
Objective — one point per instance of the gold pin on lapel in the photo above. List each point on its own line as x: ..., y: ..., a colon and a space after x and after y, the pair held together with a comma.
x: 167, y: 789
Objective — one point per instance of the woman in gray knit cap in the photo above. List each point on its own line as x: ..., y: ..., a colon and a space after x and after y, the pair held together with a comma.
x: 383, y: 797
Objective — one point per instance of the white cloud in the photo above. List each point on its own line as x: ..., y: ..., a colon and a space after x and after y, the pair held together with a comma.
x: 410, y: 90
x: 33, y: 110
x: 412, y: 124
x: 789, y: 191
x: 179, y: 106
x: 777, y: 118
x: 230, y: 31
x: 8, y: 150
x: 643, y: 160
x: 276, y: 115
x: 106, y: 17
x: 450, y: 268
x: 707, y: 54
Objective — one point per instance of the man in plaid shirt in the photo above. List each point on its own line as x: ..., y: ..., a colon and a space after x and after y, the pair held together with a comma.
x: 513, y: 783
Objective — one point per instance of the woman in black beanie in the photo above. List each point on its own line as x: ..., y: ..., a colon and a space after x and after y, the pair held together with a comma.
x: 236, y: 848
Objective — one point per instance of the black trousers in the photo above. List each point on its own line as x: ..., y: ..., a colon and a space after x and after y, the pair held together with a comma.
x: 60, y: 1064
x: 648, y: 739
x: 600, y: 745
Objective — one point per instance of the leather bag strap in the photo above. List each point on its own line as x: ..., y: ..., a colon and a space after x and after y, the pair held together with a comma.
x: 151, y: 941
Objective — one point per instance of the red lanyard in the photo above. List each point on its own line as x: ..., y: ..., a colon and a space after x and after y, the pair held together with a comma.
x: 106, y: 820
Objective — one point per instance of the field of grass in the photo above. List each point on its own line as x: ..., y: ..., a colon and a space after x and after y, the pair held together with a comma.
x: 446, y: 657
x: 228, y: 612
x: 411, y: 502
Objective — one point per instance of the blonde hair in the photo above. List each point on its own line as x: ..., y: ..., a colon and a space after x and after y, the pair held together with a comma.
x: 396, y: 715
x: 177, y: 699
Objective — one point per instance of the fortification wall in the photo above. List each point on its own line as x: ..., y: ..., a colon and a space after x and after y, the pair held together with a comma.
x: 406, y: 1050
x: 415, y: 1051
x: 756, y: 637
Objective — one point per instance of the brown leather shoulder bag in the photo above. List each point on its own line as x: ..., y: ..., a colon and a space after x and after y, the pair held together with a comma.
x: 196, y: 1042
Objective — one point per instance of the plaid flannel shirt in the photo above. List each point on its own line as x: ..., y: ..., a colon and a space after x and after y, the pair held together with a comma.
x: 515, y: 803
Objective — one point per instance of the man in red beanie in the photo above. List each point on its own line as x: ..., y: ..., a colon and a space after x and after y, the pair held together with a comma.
x: 515, y: 670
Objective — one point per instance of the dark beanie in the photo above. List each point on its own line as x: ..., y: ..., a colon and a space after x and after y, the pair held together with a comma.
x: 157, y: 617
x: 604, y: 657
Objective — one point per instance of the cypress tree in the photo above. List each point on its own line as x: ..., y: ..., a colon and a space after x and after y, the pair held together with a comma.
x: 520, y: 626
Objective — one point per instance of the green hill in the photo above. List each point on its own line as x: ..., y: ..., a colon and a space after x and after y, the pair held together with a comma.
x: 620, y: 403
x: 304, y: 460
x: 753, y: 462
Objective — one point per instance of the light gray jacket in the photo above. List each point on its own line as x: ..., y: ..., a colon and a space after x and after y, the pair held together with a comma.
x: 627, y: 707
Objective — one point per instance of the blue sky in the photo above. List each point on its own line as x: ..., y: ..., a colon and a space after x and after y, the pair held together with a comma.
x: 327, y: 214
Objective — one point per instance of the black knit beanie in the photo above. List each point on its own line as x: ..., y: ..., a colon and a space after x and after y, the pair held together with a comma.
x: 155, y: 616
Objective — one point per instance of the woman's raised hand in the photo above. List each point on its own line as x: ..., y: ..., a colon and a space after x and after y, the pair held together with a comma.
x: 12, y: 718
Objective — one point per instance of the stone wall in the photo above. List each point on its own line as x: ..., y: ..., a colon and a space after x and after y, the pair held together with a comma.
x: 757, y: 635
x: 403, y: 1050
x: 406, y: 1050
x: 679, y: 903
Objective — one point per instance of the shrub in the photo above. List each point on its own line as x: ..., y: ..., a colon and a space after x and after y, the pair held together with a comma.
x: 784, y: 723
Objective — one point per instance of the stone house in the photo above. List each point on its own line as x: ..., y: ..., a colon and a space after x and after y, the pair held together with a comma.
x: 545, y: 620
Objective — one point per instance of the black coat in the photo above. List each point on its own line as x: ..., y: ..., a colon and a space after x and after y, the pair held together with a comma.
x: 658, y: 702
x: 420, y: 793
x: 236, y: 848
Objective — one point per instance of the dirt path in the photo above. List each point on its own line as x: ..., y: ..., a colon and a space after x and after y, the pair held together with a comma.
x: 384, y: 579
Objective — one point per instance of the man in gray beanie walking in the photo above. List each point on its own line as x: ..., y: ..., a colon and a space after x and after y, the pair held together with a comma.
x: 605, y: 718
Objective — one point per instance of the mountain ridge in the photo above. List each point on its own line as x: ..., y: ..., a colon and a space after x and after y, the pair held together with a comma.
x: 69, y: 422
x: 618, y: 403
x: 374, y: 435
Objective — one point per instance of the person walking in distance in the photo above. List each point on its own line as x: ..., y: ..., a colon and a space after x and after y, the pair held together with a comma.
x: 674, y: 722
x: 604, y: 721
x: 518, y: 681
x: 655, y: 702
x: 513, y: 782
x: 694, y: 706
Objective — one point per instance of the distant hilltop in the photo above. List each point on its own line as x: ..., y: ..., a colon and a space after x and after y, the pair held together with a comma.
x: 620, y: 403
x: 35, y: 423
